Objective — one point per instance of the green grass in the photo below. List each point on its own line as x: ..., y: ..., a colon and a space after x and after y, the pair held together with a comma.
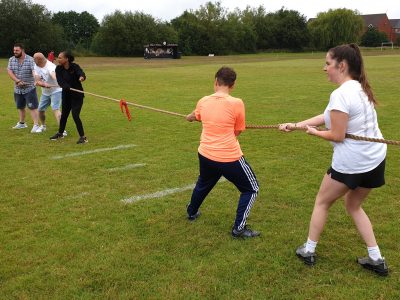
x: 65, y: 233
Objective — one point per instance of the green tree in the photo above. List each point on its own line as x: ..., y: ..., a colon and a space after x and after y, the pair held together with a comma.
x: 373, y: 38
x: 30, y: 24
x: 125, y: 34
x: 211, y: 29
x: 242, y: 37
x: 189, y: 32
x: 289, y: 29
x: 79, y: 28
x: 335, y: 27
x: 211, y: 18
x: 261, y: 26
x: 283, y: 29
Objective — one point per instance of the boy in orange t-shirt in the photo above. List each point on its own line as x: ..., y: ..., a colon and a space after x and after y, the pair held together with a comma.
x: 223, y: 119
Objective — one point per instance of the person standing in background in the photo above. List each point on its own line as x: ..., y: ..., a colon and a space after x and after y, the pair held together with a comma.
x: 50, y: 56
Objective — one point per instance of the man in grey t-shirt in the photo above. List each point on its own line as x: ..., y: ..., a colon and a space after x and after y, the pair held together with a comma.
x: 20, y: 69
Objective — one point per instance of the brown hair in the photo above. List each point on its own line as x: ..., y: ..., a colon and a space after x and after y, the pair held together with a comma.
x: 226, y: 76
x: 352, y: 55
x: 19, y: 45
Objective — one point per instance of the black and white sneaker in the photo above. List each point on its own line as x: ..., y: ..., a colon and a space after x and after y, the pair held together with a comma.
x: 82, y: 140
x: 378, y: 266
x: 309, y: 258
x: 246, y: 232
x: 194, y: 217
x: 57, y: 136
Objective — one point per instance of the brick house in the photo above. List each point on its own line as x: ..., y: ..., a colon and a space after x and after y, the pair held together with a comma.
x: 395, y: 29
x: 381, y: 22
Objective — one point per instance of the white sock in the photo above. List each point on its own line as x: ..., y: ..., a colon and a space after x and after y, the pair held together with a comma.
x: 374, y: 253
x: 310, y: 245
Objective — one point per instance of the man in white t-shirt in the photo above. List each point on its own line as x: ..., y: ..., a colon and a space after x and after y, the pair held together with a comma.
x: 45, y: 76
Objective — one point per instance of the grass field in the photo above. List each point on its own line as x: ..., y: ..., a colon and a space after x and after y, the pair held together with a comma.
x: 66, y: 233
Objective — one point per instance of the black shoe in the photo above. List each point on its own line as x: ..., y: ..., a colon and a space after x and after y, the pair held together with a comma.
x: 309, y: 258
x: 194, y: 217
x: 57, y: 136
x: 246, y: 232
x: 82, y: 140
x: 378, y: 266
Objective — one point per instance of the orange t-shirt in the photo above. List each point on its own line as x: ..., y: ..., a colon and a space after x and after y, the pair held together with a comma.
x: 221, y: 115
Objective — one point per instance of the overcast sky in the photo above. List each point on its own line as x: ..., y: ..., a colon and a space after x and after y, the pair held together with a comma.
x: 169, y: 9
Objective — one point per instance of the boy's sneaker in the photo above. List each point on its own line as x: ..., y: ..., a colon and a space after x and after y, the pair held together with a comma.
x: 57, y: 136
x: 36, y: 129
x: 246, y: 232
x: 309, y: 258
x: 20, y: 126
x: 82, y: 140
x: 378, y: 266
x: 65, y: 133
x: 194, y: 217
x: 43, y: 127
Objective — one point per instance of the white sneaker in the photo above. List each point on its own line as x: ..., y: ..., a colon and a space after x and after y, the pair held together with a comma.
x: 43, y: 127
x: 65, y: 133
x: 20, y: 126
x: 36, y: 129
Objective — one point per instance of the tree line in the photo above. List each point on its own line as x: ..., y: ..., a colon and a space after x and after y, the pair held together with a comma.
x: 209, y: 29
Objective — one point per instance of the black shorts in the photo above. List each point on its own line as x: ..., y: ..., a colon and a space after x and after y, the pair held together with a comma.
x: 371, y: 179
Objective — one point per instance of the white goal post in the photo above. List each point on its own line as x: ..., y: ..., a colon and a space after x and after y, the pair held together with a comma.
x: 386, y: 43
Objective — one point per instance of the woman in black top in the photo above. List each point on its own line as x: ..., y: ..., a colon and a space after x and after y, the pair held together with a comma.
x: 70, y: 75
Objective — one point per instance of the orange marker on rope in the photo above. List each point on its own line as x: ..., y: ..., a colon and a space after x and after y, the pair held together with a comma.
x: 122, y: 104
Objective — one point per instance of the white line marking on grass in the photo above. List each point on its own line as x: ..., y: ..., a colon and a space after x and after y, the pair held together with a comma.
x: 161, y: 194
x: 93, y: 151
x: 127, y: 167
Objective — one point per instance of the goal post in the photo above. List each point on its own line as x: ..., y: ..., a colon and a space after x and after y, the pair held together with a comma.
x: 386, y: 44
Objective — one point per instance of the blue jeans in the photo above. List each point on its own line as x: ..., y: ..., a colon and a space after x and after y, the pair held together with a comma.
x: 54, y: 100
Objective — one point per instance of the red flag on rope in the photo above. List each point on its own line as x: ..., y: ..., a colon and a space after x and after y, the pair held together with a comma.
x: 122, y: 104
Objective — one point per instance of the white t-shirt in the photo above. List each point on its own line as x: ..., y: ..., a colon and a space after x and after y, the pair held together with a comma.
x: 45, y: 76
x: 351, y: 156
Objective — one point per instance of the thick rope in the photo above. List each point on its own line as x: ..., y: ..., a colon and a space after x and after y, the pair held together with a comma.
x: 350, y: 136
x: 130, y: 103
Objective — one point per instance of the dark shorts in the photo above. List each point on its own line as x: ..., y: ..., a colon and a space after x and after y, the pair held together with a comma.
x: 371, y: 179
x: 29, y: 99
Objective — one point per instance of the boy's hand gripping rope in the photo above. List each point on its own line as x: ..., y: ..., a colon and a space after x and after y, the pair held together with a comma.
x: 125, y: 104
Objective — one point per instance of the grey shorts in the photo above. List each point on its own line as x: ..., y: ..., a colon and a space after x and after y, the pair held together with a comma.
x: 29, y: 99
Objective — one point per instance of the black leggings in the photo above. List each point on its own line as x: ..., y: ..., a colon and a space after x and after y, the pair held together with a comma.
x: 75, y: 104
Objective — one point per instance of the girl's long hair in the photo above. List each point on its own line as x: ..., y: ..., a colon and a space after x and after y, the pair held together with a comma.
x: 352, y: 55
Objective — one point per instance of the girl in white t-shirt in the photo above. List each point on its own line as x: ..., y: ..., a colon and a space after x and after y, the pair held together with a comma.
x: 357, y: 166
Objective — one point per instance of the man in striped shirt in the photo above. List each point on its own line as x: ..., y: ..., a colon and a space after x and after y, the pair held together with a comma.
x: 21, y: 71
